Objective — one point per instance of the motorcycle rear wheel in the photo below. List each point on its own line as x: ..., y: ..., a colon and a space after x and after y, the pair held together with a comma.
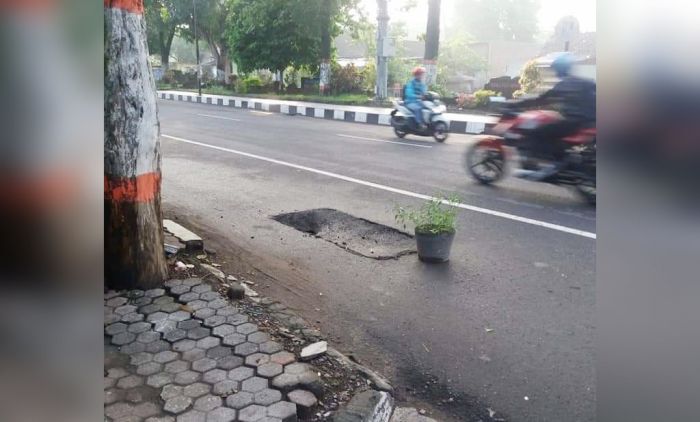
x: 486, y: 164
x: 399, y: 133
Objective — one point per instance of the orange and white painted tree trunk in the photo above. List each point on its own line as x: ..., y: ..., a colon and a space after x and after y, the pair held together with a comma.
x: 134, y: 256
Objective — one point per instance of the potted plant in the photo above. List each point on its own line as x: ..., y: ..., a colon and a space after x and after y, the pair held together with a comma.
x: 435, y: 226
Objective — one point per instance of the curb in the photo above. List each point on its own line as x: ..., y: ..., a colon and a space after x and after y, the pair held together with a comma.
x: 328, y: 111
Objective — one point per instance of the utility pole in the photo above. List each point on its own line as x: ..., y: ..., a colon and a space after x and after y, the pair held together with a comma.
x: 432, y: 41
x: 134, y: 255
x: 196, y: 47
x: 382, y: 68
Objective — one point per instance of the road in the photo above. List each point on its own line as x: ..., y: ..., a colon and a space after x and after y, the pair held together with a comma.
x: 507, y: 326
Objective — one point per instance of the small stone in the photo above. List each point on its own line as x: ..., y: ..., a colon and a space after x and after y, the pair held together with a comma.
x: 235, y: 291
x: 313, y: 350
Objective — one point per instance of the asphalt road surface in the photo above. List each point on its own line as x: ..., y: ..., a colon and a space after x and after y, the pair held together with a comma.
x: 504, y: 329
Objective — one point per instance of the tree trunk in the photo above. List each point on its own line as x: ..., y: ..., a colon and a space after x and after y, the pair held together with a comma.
x: 324, y: 83
x: 134, y: 256
x: 432, y: 41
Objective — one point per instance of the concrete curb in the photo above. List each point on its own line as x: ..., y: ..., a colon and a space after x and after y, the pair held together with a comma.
x: 375, y: 116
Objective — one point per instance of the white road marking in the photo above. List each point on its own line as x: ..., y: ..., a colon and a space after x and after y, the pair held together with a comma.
x: 382, y: 140
x: 481, y: 210
x: 219, y: 117
x: 266, y: 113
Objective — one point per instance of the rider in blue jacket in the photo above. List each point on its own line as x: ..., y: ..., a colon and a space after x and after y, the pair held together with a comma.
x: 413, y: 95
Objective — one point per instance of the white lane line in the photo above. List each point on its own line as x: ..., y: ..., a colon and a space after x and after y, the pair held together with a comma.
x: 266, y: 113
x: 487, y: 211
x: 219, y: 117
x: 382, y: 140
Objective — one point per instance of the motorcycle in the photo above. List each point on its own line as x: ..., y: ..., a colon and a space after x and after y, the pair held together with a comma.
x: 509, y: 141
x: 404, y: 122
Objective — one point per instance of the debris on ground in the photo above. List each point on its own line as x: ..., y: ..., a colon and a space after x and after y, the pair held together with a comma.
x: 313, y: 350
x: 235, y: 291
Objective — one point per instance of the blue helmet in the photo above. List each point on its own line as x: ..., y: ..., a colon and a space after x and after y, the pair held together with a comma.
x: 562, y: 64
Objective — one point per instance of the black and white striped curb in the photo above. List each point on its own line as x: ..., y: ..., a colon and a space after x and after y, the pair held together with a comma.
x: 321, y: 111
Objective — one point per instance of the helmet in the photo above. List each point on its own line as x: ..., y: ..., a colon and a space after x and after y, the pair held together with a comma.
x: 418, y: 70
x: 562, y: 64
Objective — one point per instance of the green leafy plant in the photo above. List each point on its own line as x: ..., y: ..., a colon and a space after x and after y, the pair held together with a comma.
x: 436, y: 216
x: 481, y: 97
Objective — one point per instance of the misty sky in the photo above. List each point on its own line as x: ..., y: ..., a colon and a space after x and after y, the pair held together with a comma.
x: 550, y: 12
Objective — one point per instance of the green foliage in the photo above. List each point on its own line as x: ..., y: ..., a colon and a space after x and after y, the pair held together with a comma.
x: 530, y: 78
x: 487, y: 20
x: 481, y: 97
x: 456, y: 58
x: 349, y: 80
x: 435, y: 216
x: 163, y: 20
x: 250, y: 84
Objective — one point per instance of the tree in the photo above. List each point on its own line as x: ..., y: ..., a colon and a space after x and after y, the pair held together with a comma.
x: 432, y: 40
x: 211, y: 27
x: 530, y: 79
x: 491, y: 20
x: 134, y: 256
x: 163, y: 18
x: 457, y: 59
x: 334, y: 16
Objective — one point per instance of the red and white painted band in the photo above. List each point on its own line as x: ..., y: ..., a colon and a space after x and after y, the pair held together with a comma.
x: 133, y: 6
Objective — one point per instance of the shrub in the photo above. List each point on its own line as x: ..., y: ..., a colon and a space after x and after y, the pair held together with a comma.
x: 464, y: 100
x: 346, y: 80
x: 434, y: 216
x: 252, y: 84
x: 481, y: 97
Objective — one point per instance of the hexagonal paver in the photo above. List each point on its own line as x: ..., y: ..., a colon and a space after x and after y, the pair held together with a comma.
x: 213, y: 376
x: 119, y: 410
x: 225, y: 388
x: 149, y: 309
x: 202, y: 288
x: 142, y: 301
x: 234, y: 339
x: 207, y: 403
x: 240, y: 373
x: 198, y: 304
x: 305, y: 400
x: 179, y: 316
x: 184, y: 345
x: 270, y: 347
x: 117, y: 301
x: 130, y: 381
x: 148, y: 337
x: 209, y: 296
x: 123, y: 338
x: 223, y: 330
x: 117, y: 373
x: 257, y: 359
x: 188, y: 324
x: 173, y: 282
x: 219, y: 352
x: 187, y: 377
x: 198, y: 333
x: 203, y: 313
x: 149, y: 368
x: 197, y: 389
x: 258, y: 337
x: 269, y: 370
x: 254, y: 384
x: 132, y: 317
x: 109, y: 382
x: 208, y: 342
x: 177, y: 366
x: 240, y: 400
x: 175, y: 335
x: 188, y: 297
x: 113, y: 395
x: 297, y: 368
x: 267, y: 396
x: 283, y: 358
x: 247, y: 328
x: 177, y: 404
x: 131, y: 348
x: 139, y: 327
x: 215, y: 304
x: 194, y: 354
x: 165, y: 326
x: 226, y: 311
x: 222, y: 414
x: 135, y: 293
x: 203, y: 365
x: 157, y: 316
x: 237, y: 319
x: 214, y: 320
x: 157, y: 346
x: 111, y: 318
x: 119, y: 327
x: 165, y: 356
x: 283, y: 410
x: 160, y: 379
x: 191, y: 282
x: 161, y: 419
x: 154, y: 292
x: 169, y: 307
x: 125, y: 309
x: 170, y: 391
x: 192, y: 416
x: 180, y: 290
x: 163, y: 300
x: 252, y: 413
x: 229, y: 362
x: 246, y: 349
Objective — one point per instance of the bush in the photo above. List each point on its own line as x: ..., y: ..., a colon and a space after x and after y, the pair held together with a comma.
x: 251, y: 84
x: 433, y: 217
x: 464, y: 100
x: 481, y: 97
x: 346, y: 80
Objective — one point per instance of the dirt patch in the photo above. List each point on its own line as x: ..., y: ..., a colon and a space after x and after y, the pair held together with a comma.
x: 355, y: 235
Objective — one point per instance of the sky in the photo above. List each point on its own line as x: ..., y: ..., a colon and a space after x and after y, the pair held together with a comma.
x: 550, y: 12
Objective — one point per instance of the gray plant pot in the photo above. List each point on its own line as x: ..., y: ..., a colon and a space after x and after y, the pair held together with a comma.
x: 434, y: 247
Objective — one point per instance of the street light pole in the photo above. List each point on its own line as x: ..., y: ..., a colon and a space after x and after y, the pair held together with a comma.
x: 382, y: 71
x: 196, y: 46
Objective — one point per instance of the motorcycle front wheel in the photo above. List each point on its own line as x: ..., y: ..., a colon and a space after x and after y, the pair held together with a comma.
x: 486, y: 164
x: 399, y: 133
x: 440, y: 132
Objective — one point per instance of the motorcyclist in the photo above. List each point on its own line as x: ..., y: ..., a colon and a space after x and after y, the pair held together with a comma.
x: 574, y: 98
x: 413, y: 95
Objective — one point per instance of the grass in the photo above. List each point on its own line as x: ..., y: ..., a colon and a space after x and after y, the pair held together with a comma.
x: 342, y: 99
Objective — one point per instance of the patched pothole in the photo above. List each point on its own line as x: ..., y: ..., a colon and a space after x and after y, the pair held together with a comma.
x: 356, y: 235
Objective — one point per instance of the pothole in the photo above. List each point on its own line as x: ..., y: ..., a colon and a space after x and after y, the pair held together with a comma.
x: 355, y: 235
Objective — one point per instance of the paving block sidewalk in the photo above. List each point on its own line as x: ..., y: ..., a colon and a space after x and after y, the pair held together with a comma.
x: 186, y: 354
x: 459, y: 123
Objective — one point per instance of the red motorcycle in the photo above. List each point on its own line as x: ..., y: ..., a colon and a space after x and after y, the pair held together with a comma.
x: 511, y: 141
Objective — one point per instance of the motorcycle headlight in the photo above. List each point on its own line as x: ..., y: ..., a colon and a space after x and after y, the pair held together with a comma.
x: 440, y: 109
